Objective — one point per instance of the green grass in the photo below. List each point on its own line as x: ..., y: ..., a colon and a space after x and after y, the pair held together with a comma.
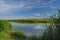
x: 32, y: 20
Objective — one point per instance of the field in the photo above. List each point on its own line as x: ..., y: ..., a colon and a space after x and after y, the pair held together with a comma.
x: 32, y: 20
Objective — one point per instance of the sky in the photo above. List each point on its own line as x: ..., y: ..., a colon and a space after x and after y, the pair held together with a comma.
x: 17, y: 9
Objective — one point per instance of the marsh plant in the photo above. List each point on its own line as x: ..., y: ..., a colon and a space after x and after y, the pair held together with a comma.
x: 52, y: 31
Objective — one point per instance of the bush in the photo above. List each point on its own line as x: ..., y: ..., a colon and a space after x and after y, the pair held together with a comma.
x: 5, y: 26
x: 5, y: 30
x: 18, y: 35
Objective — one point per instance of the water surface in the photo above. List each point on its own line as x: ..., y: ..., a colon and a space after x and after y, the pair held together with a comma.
x: 29, y: 28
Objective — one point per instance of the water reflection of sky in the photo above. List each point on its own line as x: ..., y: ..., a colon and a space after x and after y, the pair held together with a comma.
x: 33, y: 28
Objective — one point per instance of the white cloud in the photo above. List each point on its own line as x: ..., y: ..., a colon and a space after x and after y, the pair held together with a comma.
x: 31, y: 17
x: 54, y: 7
x: 37, y: 14
x: 50, y: 2
x: 48, y: 14
x: 5, y: 7
x: 12, y: 17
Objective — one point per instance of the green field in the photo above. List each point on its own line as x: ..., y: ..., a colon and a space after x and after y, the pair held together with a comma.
x: 32, y: 20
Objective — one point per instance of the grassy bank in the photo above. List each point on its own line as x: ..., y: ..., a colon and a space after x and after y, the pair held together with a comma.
x: 32, y: 20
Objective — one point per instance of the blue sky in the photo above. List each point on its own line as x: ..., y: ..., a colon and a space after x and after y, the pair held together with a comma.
x: 16, y: 9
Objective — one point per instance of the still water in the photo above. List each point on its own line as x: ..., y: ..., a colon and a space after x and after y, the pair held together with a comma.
x: 29, y: 28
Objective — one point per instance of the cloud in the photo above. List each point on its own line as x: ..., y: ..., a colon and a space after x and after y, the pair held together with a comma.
x: 32, y: 17
x: 48, y: 14
x: 22, y: 4
x: 37, y: 14
x: 50, y: 2
x: 54, y: 7
x: 7, y: 7
x: 12, y: 17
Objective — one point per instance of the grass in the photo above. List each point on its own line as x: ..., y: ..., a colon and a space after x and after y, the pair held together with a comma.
x: 32, y: 20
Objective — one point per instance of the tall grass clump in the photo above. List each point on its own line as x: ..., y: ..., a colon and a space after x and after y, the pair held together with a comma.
x: 52, y: 31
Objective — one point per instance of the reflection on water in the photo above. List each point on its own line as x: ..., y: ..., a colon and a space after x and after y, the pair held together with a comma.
x: 29, y: 28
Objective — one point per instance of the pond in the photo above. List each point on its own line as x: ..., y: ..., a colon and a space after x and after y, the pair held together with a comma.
x: 29, y: 28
